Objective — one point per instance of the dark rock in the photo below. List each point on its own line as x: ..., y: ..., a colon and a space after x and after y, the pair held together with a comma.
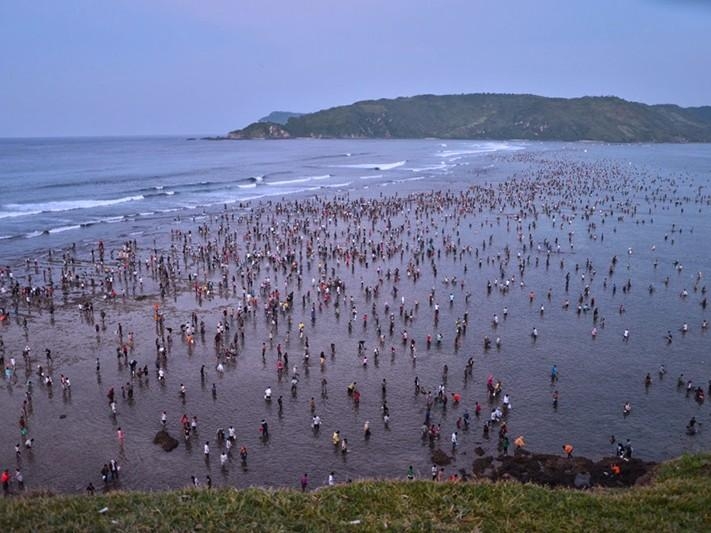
x: 559, y: 471
x: 440, y: 458
x: 480, y: 465
x: 489, y: 473
x: 479, y: 451
x: 582, y: 480
x: 165, y: 441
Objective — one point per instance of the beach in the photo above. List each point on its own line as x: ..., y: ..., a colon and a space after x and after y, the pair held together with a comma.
x: 578, y: 242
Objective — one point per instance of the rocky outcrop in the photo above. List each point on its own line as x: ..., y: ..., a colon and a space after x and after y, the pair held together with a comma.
x: 559, y: 471
x: 440, y: 458
x: 165, y: 441
x: 260, y: 130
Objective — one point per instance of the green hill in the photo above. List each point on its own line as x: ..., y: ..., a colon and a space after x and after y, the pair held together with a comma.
x: 502, y: 116
x: 279, y: 117
x: 677, y: 499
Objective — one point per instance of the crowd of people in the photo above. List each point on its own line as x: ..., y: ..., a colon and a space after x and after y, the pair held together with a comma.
x: 399, y: 275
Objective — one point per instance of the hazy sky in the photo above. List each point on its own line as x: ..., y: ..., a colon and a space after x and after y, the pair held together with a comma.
x: 101, y: 67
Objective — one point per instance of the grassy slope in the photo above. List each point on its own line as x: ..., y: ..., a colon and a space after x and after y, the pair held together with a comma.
x: 678, y: 500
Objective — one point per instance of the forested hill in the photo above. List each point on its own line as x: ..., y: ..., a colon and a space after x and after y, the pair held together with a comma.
x: 497, y: 116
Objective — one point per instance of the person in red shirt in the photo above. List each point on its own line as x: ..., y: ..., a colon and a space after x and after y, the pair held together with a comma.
x: 5, y: 480
x: 568, y: 449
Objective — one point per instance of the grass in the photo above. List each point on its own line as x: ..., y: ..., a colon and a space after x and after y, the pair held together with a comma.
x: 678, y: 499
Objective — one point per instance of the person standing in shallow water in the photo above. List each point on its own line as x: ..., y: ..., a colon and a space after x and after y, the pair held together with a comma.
x: 568, y: 450
x: 304, y: 482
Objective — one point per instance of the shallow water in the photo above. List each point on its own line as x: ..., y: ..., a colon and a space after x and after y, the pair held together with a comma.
x: 596, y: 375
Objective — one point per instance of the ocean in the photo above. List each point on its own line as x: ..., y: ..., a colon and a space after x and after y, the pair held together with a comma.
x: 62, y: 191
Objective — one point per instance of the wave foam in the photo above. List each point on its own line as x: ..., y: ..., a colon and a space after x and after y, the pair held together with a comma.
x: 416, y: 178
x: 18, y: 210
x: 441, y: 166
x: 475, y: 149
x: 375, y: 166
x: 305, y: 179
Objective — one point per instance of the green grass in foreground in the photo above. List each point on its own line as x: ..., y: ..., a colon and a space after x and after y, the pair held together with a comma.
x: 678, y: 500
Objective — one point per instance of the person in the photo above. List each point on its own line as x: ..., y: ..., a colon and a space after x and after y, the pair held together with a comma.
x: 627, y: 409
x: 5, y: 480
x: 410, y: 473
x: 628, y: 450
x: 568, y: 450
x: 304, y: 482
x: 90, y: 490
x: 519, y: 442
x: 114, y: 469
x: 615, y: 469
x: 331, y: 479
x: 434, y: 471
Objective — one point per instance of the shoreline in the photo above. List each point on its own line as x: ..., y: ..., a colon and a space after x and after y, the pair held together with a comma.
x: 522, y: 466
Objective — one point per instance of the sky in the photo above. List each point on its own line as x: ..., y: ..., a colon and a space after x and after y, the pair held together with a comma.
x: 143, y: 67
